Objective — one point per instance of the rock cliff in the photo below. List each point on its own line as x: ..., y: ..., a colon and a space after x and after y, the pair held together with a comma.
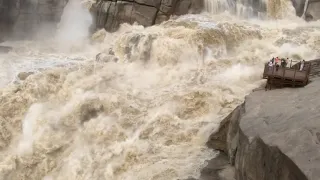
x: 273, y: 135
x: 22, y: 17
x: 312, y: 9
x: 110, y: 13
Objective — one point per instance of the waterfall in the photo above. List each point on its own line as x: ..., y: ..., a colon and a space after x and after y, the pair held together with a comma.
x: 243, y: 8
x: 305, y: 9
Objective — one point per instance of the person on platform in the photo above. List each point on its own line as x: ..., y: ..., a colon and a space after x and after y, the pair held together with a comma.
x: 270, y: 65
x: 272, y: 60
x: 277, y: 60
x: 283, y: 62
x: 302, y: 65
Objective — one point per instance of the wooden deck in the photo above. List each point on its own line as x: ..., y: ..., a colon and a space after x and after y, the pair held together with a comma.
x: 288, y: 76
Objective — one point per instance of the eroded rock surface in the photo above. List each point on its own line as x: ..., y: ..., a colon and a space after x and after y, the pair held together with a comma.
x: 312, y: 9
x: 289, y: 119
x: 110, y: 13
x: 274, y: 135
x: 20, y: 18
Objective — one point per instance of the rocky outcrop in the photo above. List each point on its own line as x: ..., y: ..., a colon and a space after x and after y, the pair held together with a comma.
x: 5, y: 49
x: 273, y: 135
x: 24, y: 75
x: 299, y: 6
x: 111, y: 13
x: 22, y: 17
x: 312, y: 9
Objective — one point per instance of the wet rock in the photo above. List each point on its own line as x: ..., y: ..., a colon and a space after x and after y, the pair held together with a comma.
x: 90, y: 110
x: 24, y: 75
x: 102, y: 57
x: 109, y: 14
x: 312, y: 11
x: 5, y: 49
x: 21, y: 18
x: 299, y: 6
x: 218, y: 168
x: 315, y: 68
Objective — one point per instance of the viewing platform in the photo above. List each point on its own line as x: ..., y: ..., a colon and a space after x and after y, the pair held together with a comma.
x: 287, y: 76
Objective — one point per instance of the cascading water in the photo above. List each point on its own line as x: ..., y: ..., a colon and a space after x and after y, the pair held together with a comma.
x: 260, y: 9
x: 305, y: 9
x: 147, y: 115
x: 244, y: 8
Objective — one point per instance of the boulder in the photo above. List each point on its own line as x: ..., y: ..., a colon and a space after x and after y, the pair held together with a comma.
x: 299, y: 6
x: 103, y: 57
x: 24, y: 75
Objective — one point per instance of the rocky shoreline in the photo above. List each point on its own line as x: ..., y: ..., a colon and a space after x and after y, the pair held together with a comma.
x: 272, y: 135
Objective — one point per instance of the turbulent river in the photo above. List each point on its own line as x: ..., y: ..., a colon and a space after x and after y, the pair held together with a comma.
x: 147, y: 115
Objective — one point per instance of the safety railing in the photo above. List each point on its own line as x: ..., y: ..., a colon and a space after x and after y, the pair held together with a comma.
x: 287, y: 75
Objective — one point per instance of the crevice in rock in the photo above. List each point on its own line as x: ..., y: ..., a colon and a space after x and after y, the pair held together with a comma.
x: 142, y: 4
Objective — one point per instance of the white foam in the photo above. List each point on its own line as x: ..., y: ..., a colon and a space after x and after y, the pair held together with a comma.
x: 147, y: 116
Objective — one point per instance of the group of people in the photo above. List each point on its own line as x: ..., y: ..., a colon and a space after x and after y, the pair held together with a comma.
x: 277, y: 62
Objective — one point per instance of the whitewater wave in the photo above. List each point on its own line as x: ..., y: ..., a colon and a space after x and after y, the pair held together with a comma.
x: 145, y: 115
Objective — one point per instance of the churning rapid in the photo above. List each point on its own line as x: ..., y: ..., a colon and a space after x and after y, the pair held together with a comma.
x: 146, y: 107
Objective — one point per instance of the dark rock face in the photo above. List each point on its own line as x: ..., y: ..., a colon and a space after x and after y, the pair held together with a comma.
x: 299, y: 6
x: 5, y: 49
x: 312, y: 9
x: 274, y: 134
x: 257, y: 160
x: 7, y: 13
x: 315, y: 68
x: 20, y: 18
x: 109, y: 14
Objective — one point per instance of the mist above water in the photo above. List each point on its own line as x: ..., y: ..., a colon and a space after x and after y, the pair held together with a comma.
x: 147, y: 115
x: 73, y: 29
